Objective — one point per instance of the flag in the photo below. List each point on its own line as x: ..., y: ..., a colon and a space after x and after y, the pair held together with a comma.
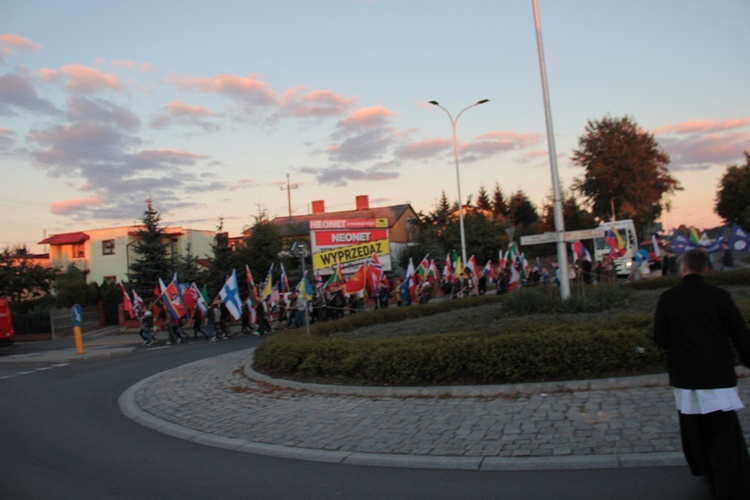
x: 230, y: 296
x: 472, y: 265
x: 374, y: 273
x: 580, y: 251
x: 305, y: 288
x: 489, y: 270
x: 138, y: 304
x: 502, y: 258
x: 127, y: 304
x: 284, y: 282
x: 448, y: 268
x: 424, y: 266
x: 615, y: 241
x: 249, y: 277
x: 433, y: 274
x: 356, y: 282
x: 515, y: 277
x: 198, y: 297
x: 739, y: 239
x: 189, y: 299
x: 204, y: 294
x: 694, y: 236
x: 337, y: 278
x: 657, y: 248
x: 459, y: 268
x: 411, y: 281
x: 172, y: 300
x: 268, y: 286
x: 681, y: 243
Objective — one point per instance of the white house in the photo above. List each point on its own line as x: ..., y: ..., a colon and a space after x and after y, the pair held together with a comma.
x: 104, y: 255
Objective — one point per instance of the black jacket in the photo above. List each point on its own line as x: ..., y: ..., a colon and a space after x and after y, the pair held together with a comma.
x: 698, y: 323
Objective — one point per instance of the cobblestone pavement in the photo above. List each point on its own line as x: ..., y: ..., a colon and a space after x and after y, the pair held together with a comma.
x: 221, y: 401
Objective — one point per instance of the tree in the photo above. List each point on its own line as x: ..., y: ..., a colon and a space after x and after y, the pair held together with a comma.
x: 499, y: 206
x: 733, y: 197
x: 21, y: 279
x: 626, y: 171
x: 152, y: 261
x: 262, y: 247
x: 483, y: 199
x: 574, y: 216
x: 521, y: 211
x: 223, y: 260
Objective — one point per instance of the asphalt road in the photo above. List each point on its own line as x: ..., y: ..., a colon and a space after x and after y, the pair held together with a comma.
x: 62, y: 436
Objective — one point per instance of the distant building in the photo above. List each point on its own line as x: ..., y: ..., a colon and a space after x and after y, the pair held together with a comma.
x: 350, y: 236
x: 104, y: 255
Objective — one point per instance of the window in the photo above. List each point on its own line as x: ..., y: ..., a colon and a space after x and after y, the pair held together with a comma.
x: 173, y: 252
x: 108, y: 247
x: 78, y: 251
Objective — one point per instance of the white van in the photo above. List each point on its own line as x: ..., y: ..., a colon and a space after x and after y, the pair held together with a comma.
x: 629, y: 238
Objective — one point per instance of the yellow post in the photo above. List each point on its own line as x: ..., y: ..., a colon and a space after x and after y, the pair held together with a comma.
x: 79, y: 339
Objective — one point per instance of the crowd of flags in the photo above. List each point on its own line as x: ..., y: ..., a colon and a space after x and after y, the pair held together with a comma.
x: 181, y: 300
x: 734, y: 236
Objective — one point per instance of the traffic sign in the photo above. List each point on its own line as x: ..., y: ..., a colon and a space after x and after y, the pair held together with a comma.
x: 77, y: 314
x: 584, y: 234
x: 537, y: 239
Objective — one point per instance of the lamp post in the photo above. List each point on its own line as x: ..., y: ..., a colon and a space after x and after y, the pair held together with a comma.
x: 458, y: 177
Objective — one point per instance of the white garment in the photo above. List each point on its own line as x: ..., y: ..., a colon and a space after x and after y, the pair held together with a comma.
x: 702, y: 401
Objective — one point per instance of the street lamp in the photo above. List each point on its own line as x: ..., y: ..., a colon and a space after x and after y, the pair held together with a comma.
x: 458, y: 177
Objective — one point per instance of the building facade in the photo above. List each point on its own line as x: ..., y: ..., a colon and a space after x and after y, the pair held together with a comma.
x: 104, y: 255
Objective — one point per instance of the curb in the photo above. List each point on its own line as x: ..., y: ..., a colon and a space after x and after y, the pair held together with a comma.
x: 131, y: 409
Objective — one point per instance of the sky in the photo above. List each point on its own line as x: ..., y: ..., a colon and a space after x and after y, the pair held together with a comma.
x: 210, y: 108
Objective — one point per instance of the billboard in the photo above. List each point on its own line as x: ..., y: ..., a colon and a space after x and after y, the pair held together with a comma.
x: 349, y: 242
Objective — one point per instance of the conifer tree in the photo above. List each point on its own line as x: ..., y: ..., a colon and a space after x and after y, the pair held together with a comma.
x: 151, y: 260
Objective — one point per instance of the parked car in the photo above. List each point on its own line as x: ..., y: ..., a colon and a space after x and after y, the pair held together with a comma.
x: 7, y: 335
x: 654, y: 260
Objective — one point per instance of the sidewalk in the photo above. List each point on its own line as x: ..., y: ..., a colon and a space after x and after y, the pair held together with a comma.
x: 100, y: 343
x: 608, y: 423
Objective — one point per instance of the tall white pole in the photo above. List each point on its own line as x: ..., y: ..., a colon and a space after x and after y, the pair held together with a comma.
x: 458, y: 176
x: 562, y: 253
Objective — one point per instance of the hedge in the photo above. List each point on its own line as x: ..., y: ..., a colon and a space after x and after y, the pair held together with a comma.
x: 528, y: 351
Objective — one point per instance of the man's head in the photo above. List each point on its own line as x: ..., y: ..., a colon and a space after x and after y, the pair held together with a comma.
x: 694, y: 262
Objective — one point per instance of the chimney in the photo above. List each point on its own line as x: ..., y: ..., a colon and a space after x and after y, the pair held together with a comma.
x: 318, y: 207
x: 363, y: 202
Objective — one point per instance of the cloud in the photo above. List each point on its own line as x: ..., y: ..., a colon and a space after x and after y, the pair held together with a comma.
x: 366, y: 146
x: 135, y: 66
x: 247, y: 91
x: 68, y: 207
x: 178, y: 113
x: 7, y: 138
x: 366, y: 118
x: 18, y: 93
x: 11, y: 44
x: 341, y: 176
x: 299, y: 102
x: 82, y: 79
x: 102, y: 111
x: 702, y: 144
x: 421, y: 150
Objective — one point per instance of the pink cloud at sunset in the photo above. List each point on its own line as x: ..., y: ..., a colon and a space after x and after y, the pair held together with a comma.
x: 83, y: 79
x: 246, y: 89
x: 11, y: 44
x: 301, y: 103
x: 701, y: 144
x: 68, y: 206
x: 701, y: 126
x: 135, y: 66
x: 376, y: 116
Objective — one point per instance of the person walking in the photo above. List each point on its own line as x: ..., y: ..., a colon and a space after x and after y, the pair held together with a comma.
x: 697, y: 324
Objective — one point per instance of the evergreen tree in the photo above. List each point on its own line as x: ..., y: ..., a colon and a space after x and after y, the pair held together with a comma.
x: 188, y: 270
x: 151, y: 260
x: 483, y: 199
x: 522, y: 211
x: 499, y: 206
x: 223, y: 261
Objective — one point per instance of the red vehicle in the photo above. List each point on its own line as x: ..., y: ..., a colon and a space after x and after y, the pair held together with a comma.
x: 7, y: 335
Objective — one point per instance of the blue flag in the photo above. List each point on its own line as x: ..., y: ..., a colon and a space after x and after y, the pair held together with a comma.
x: 739, y: 239
x: 230, y: 296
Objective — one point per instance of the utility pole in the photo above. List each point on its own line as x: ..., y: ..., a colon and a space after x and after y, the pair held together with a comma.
x: 289, y: 188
